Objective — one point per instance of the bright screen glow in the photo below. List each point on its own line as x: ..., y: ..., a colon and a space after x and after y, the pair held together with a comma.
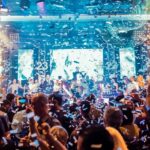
x: 127, y: 62
x: 89, y: 61
x: 25, y: 64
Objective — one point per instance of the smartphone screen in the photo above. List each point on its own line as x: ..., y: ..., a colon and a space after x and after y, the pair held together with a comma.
x: 23, y: 100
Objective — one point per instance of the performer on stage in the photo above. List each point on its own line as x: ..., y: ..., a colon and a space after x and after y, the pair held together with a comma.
x: 91, y: 84
x: 114, y: 87
x: 107, y: 90
x: 14, y: 87
x: 33, y: 86
x: 101, y: 89
x: 3, y: 85
x: 77, y: 87
x: 114, y: 84
x: 58, y: 84
x: 42, y: 84
x: 133, y: 85
x: 77, y: 72
x: 49, y: 84
x: 140, y: 81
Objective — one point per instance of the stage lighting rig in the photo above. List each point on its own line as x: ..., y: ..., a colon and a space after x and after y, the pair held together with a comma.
x: 41, y: 6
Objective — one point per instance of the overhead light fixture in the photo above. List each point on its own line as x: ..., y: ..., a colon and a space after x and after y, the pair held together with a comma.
x: 41, y: 6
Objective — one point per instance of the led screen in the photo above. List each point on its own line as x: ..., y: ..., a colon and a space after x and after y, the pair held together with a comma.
x: 127, y: 62
x: 89, y: 61
x: 25, y: 64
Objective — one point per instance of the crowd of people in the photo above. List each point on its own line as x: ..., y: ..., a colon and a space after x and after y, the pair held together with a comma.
x: 81, y: 85
x: 88, y: 119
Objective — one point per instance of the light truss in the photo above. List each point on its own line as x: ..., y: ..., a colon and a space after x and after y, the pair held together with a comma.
x: 72, y: 17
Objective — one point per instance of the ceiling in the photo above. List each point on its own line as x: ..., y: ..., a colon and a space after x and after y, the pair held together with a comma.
x: 93, y: 32
x: 90, y: 7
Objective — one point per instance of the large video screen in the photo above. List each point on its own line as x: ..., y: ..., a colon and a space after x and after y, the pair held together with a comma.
x: 88, y: 61
x: 25, y: 64
x: 127, y: 62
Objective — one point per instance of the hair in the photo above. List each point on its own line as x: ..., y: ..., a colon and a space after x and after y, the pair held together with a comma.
x: 73, y: 108
x: 140, y: 80
x: 56, y: 98
x: 91, y: 98
x: 85, y: 107
x: 40, y: 98
x: 127, y: 115
x: 10, y: 97
x: 2, y: 129
x: 113, y: 117
x: 6, y: 102
x: 95, y: 138
x: 39, y: 103
x: 148, y: 96
x: 4, y: 126
x: 60, y: 133
x: 120, y: 96
x: 148, y: 100
x: 119, y: 142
